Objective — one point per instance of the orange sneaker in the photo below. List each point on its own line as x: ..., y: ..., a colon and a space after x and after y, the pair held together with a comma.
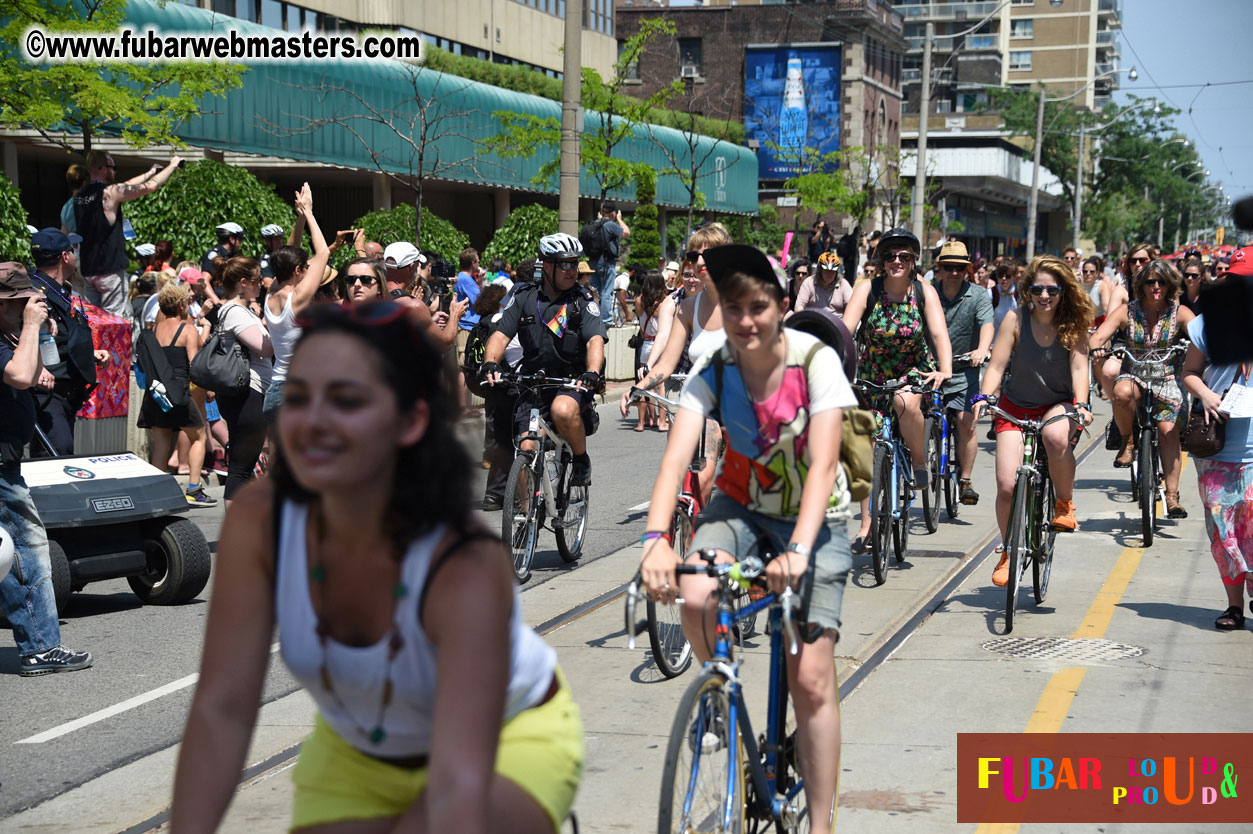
x: 1064, y: 516
x: 1000, y: 576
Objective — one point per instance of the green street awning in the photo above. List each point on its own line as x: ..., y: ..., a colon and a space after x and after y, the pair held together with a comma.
x: 281, y: 107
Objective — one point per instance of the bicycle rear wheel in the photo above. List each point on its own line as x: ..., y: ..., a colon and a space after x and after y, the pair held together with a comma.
x: 881, y: 509
x: 952, y: 490
x: 1016, y: 545
x: 571, y: 525
x: 931, y: 495
x: 1042, y: 564
x: 1148, y: 485
x: 520, y: 519
x: 702, y: 784
x: 671, y: 650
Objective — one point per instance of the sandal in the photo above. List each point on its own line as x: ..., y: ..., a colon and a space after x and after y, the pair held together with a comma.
x: 1230, y: 620
x: 968, y: 495
x: 1173, y: 507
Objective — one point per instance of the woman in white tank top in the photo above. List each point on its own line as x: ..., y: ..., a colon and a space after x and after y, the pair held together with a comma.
x: 396, y: 611
x: 699, y: 317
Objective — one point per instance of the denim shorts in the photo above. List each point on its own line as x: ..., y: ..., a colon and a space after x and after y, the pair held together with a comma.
x: 727, y: 525
x: 273, y: 399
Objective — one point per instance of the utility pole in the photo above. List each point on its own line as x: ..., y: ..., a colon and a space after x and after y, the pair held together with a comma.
x: 1033, y: 203
x: 920, y: 169
x: 571, y: 107
x: 1078, y: 213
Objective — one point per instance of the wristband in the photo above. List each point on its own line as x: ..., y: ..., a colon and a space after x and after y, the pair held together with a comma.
x: 978, y: 398
x: 797, y: 547
x: 650, y: 535
x: 1084, y: 406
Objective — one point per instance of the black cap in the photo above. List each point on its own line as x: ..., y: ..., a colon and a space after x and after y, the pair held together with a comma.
x: 721, y: 261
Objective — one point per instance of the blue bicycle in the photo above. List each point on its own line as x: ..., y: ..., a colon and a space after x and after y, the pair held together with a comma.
x: 940, y: 431
x: 719, y: 776
x: 892, y: 484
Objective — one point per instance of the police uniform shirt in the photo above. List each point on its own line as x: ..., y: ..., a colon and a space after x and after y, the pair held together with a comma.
x: 546, y: 328
x: 219, y: 251
x: 266, y: 270
x: 73, y: 337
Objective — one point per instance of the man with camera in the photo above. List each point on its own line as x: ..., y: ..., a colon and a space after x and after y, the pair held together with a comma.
x: 600, y: 240
x: 26, y: 592
x: 822, y: 240
x: 401, y: 261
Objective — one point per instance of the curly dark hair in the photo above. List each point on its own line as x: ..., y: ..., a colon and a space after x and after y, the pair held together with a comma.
x: 1157, y: 269
x: 433, y: 483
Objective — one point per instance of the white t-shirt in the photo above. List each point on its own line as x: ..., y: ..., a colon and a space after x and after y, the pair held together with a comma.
x: 237, y: 319
x: 768, y: 442
x: 622, y: 282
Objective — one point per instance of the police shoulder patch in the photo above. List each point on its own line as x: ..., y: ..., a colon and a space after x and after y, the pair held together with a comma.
x: 593, y: 308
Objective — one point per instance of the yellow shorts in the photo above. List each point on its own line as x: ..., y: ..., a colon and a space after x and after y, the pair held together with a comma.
x: 541, y: 750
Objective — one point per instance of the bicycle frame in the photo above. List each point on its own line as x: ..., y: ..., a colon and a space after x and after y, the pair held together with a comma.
x: 898, y: 453
x: 547, y: 443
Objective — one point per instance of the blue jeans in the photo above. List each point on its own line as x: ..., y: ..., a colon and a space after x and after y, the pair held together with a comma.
x: 604, y: 288
x: 26, y: 593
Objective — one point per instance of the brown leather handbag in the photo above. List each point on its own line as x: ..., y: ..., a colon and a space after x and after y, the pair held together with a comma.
x: 1201, y: 439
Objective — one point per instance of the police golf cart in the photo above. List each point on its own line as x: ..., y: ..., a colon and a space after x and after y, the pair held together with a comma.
x: 113, y: 516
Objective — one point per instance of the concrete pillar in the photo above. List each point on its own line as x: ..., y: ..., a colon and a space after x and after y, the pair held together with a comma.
x: 10, y: 162
x: 662, y: 215
x: 382, y: 191
x: 501, y: 202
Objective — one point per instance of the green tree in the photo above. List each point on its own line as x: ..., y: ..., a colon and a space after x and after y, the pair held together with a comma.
x: 518, y: 239
x: 202, y: 195
x: 763, y: 231
x: 645, y: 236
x: 69, y: 103
x: 609, y: 120
x: 14, y: 239
x: 390, y: 225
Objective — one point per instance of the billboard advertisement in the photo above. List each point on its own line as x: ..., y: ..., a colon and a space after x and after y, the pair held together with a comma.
x: 792, y: 106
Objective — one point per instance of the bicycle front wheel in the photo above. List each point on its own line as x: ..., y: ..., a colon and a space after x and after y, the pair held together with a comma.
x: 702, y: 784
x: 900, y: 524
x: 1148, y: 485
x: 881, y: 501
x: 1042, y: 564
x: 1016, y: 545
x: 671, y: 650
x: 952, y: 492
x: 520, y: 518
x: 571, y: 525
x: 931, y: 495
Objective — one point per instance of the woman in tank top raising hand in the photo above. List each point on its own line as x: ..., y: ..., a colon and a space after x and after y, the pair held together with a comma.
x: 438, y: 709
x: 1048, y: 338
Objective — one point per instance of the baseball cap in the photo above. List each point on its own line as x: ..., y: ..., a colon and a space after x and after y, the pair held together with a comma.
x: 401, y: 254
x: 272, y: 230
x: 53, y: 240
x: 230, y: 229
x: 1241, y: 262
x: 145, y: 250
x: 189, y: 275
x: 673, y: 266
x: 738, y: 257
x: 14, y: 282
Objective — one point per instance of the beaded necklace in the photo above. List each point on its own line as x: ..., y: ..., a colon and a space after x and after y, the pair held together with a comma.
x: 395, y: 641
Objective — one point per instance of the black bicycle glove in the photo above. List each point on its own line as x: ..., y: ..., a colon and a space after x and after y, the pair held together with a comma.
x: 487, y: 369
x: 589, y: 380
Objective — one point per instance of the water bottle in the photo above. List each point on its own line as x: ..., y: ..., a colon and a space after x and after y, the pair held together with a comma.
x: 48, y: 348
x: 794, y: 118
x: 550, y: 462
x: 159, y: 395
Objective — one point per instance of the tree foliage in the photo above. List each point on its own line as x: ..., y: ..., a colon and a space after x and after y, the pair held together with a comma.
x: 763, y: 231
x: 610, y: 120
x: 645, y: 236
x: 201, y: 196
x: 518, y: 239
x: 390, y: 225
x: 69, y: 103
x: 14, y: 239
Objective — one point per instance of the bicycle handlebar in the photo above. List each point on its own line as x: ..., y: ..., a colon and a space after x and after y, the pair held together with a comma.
x: 538, y: 380
x: 1123, y: 352
x: 1034, y: 425
x: 637, y: 394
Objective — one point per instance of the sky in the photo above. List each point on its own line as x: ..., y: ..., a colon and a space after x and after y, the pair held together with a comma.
x: 1191, y: 42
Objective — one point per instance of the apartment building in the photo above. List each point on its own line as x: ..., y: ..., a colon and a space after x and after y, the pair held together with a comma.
x: 1067, y: 45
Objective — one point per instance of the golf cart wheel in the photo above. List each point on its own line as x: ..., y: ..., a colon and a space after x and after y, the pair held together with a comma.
x: 178, y: 563
x: 61, y: 589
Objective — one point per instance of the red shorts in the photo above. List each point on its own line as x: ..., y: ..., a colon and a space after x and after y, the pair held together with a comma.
x: 1000, y: 424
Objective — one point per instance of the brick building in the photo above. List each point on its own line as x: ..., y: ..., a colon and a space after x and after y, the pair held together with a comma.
x: 710, y: 53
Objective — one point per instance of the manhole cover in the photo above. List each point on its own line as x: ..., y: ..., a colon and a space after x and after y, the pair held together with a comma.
x: 1062, y: 648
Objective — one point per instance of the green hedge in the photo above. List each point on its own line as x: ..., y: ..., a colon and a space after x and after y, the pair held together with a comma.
x: 518, y: 239
x: 14, y: 239
x: 438, y: 235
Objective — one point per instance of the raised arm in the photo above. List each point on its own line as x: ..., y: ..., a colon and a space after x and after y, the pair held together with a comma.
x: 303, y: 292
x: 139, y: 186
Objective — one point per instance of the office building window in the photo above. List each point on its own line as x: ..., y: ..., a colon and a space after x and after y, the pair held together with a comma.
x: 1022, y: 29
x: 272, y: 14
x: 690, y: 53
x: 631, y: 70
x: 1024, y: 2
x: 1019, y: 61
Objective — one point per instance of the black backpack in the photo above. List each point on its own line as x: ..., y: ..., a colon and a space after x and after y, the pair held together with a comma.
x: 472, y: 359
x: 593, y: 239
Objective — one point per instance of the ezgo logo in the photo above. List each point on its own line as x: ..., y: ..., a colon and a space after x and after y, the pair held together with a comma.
x: 79, y: 473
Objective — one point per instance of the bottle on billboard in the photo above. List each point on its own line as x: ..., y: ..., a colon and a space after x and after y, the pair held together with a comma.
x: 794, y: 118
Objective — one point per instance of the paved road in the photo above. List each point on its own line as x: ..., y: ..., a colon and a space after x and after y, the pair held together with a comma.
x: 929, y: 639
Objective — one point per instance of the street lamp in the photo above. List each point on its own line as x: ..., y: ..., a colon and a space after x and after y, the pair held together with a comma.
x: 1078, y: 211
x: 920, y: 167
x: 1033, y: 202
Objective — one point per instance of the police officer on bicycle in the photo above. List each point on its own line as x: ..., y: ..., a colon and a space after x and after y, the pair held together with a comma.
x: 558, y: 323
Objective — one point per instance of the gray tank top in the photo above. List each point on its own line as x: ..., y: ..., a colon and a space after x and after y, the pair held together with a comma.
x: 1041, y: 374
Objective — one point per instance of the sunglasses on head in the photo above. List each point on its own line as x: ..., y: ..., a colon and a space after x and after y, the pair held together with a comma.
x: 1038, y: 290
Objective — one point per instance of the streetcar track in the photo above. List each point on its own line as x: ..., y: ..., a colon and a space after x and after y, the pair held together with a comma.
x: 897, y: 638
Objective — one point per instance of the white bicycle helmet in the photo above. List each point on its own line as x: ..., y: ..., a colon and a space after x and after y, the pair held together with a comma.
x: 560, y: 247
x: 6, y: 552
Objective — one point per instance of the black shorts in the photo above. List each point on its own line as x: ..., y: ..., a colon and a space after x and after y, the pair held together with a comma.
x: 544, y: 398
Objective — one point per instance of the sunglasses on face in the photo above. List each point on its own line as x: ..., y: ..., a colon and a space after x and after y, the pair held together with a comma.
x: 363, y: 280
x: 1089, y: 272
x: 1139, y: 260
x: 952, y: 268
x: 802, y: 273
x: 691, y: 256
x: 904, y: 257
x: 1192, y: 275
x: 1039, y: 290
x: 567, y: 264
x: 1154, y: 282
